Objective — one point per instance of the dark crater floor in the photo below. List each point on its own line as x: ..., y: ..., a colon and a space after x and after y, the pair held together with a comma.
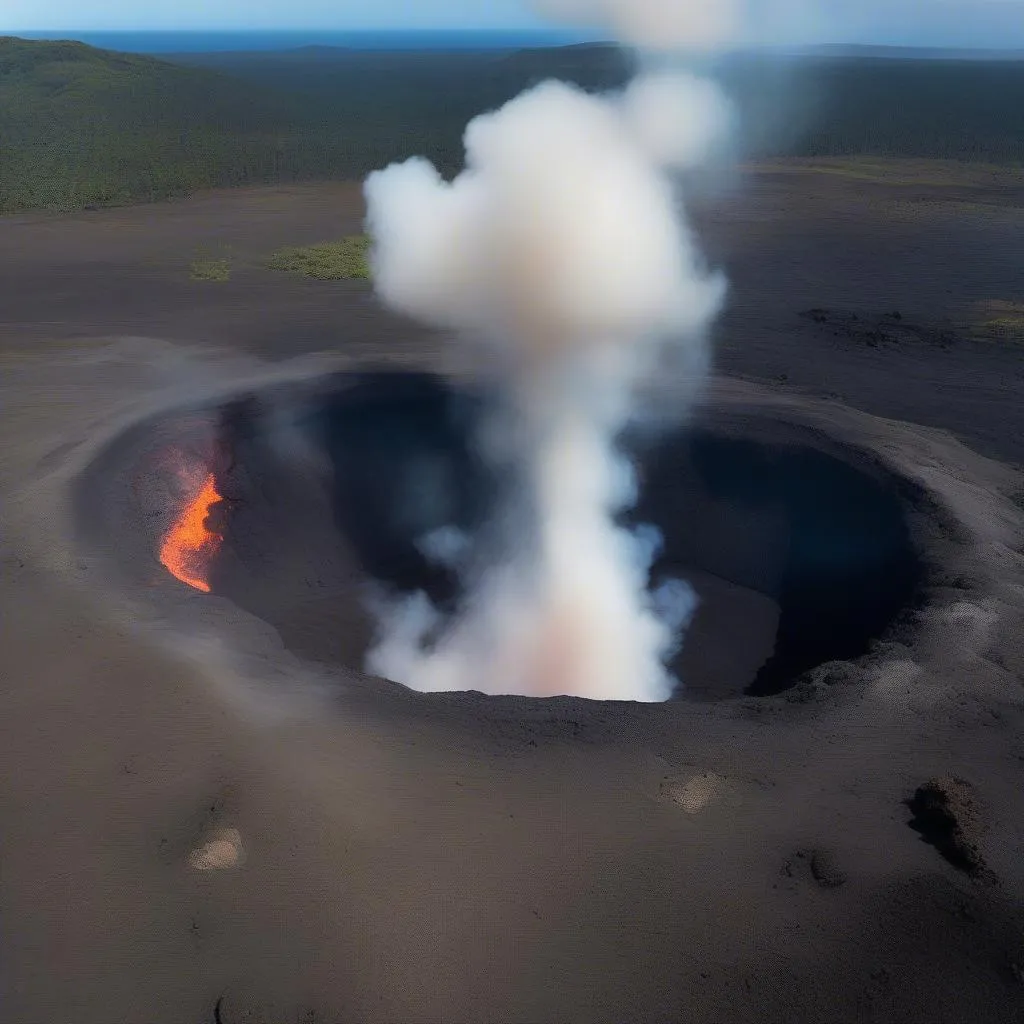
x: 802, y: 551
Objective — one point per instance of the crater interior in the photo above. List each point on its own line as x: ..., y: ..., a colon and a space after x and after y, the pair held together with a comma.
x: 801, y: 550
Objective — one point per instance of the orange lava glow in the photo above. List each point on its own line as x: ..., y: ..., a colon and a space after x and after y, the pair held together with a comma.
x: 189, y: 545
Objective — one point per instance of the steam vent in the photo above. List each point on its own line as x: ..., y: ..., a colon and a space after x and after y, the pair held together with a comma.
x: 302, y: 503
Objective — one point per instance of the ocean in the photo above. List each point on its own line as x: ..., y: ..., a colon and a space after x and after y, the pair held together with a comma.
x: 215, y: 42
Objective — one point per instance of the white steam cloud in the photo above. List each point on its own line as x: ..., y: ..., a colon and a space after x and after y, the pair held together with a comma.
x: 561, y: 253
x: 671, y: 25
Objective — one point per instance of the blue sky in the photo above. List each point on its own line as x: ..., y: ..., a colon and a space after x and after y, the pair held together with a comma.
x: 181, y: 15
x: 998, y: 23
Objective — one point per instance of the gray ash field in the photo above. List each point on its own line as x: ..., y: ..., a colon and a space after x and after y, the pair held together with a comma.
x: 823, y: 824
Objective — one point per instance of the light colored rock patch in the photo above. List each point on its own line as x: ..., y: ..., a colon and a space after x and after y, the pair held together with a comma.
x: 222, y: 852
x: 698, y: 792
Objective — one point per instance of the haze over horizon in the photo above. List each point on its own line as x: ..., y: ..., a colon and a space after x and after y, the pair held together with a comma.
x: 984, y: 24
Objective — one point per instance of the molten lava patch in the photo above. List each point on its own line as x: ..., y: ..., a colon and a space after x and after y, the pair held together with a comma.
x: 189, y: 544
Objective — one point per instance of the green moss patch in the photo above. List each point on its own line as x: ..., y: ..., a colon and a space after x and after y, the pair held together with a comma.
x: 345, y: 260
x: 210, y: 270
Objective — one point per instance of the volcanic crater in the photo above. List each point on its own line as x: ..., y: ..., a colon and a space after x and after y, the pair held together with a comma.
x: 299, y: 502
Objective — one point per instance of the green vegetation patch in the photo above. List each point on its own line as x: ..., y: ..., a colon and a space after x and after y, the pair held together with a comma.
x: 1001, y: 321
x: 345, y: 260
x: 210, y: 270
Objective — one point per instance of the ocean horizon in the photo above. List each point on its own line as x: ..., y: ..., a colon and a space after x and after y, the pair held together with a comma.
x: 290, y: 39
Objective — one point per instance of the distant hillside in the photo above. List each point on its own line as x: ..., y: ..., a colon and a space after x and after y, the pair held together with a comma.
x: 907, y: 52
x: 923, y: 108
x: 468, y: 81
x: 870, y: 101
x: 81, y: 126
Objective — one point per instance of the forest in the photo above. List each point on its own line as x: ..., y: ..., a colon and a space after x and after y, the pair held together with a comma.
x: 82, y: 127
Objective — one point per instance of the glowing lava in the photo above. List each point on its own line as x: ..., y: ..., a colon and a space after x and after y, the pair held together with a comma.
x: 189, y: 544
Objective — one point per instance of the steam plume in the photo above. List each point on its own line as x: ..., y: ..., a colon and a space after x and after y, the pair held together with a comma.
x: 667, y: 25
x: 561, y: 253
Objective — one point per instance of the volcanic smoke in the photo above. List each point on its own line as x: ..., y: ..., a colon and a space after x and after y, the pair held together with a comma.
x: 561, y: 258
